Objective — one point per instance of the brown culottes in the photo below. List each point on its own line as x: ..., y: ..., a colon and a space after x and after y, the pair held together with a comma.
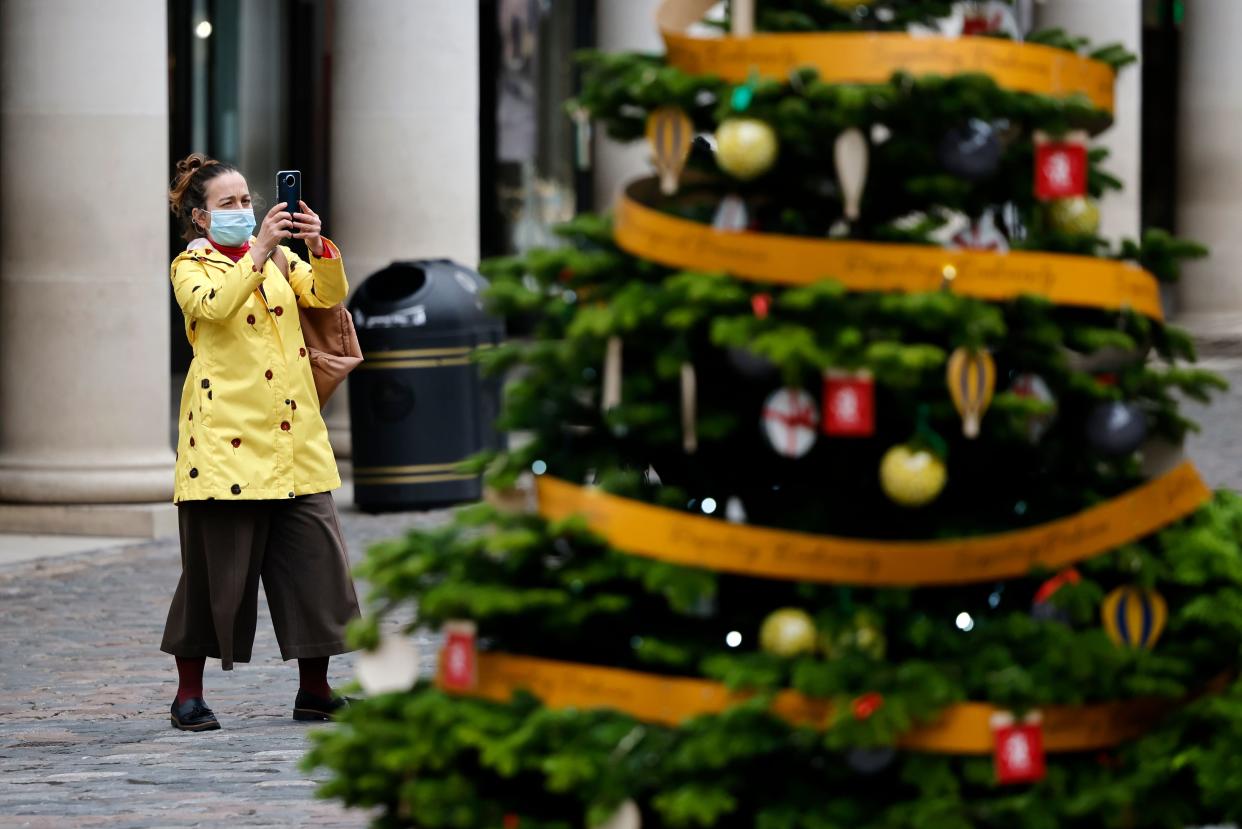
x: 295, y: 546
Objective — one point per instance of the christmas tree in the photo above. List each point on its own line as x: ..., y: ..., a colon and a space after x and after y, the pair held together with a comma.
x: 852, y: 493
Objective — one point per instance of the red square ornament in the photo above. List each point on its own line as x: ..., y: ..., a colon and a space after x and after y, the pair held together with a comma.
x: 1060, y: 166
x: 982, y: 23
x: 458, y: 663
x: 849, y: 404
x: 1019, y: 748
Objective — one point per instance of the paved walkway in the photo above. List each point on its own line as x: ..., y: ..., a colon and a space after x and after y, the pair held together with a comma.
x: 84, y: 690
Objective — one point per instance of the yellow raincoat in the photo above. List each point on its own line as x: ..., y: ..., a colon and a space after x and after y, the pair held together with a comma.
x: 250, y: 425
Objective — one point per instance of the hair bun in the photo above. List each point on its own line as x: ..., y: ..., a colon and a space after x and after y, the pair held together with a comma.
x: 191, y: 162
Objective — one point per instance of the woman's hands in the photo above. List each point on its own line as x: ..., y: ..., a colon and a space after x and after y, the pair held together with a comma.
x: 309, y: 228
x: 275, y: 226
x: 280, y: 224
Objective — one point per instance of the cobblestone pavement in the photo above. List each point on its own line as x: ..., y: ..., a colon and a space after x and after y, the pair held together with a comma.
x: 84, y: 690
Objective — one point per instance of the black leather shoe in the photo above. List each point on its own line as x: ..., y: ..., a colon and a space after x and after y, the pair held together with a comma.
x: 312, y: 707
x: 193, y: 715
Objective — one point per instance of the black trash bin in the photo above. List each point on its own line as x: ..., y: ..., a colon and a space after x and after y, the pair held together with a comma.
x: 418, y: 404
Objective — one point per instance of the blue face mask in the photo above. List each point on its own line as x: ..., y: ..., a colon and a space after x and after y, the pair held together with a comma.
x: 231, y: 228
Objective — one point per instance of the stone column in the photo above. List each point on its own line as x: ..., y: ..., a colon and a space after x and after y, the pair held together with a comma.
x: 84, y: 388
x: 405, y: 140
x: 1104, y: 22
x: 623, y: 26
x: 1210, y: 168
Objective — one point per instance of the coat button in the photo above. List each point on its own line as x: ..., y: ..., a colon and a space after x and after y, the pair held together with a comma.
x: 209, y: 394
x: 235, y: 489
x: 278, y: 310
x: 290, y: 494
x: 194, y: 473
x: 190, y: 416
x: 250, y: 319
x: 287, y: 402
x: 301, y: 352
x: 294, y: 405
x: 268, y: 374
x: 236, y: 442
x: 284, y: 426
x: 206, y: 384
x: 191, y: 443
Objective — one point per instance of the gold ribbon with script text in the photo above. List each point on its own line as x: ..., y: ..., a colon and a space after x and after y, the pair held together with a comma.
x: 1084, y: 281
x: 964, y: 728
x: 697, y: 541
x: 873, y: 57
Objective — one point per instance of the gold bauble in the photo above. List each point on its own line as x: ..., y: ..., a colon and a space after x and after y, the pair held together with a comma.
x: 788, y: 632
x: 865, y: 635
x: 746, y: 148
x: 1077, y: 215
x: 912, y: 477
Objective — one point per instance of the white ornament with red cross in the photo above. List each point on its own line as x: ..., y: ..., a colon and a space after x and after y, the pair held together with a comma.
x: 974, y: 17
x: 1034, y: 387
x: 1019, y: 748
x: 790, y: 421
x: 990, y: 17
x: 980, y: 234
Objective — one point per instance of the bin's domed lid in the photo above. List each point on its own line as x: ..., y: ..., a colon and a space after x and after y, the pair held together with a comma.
x: 435, y: 294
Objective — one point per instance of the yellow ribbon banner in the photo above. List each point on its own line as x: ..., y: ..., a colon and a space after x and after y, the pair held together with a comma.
x: 1084, y: 281
x: 960, y: 729
x: 697, y: 541
x: 872, y: 57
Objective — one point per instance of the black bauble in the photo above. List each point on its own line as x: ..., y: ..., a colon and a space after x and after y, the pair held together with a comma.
x: 1117, y: 427
x: 971, y: 151
x: 752, y: 366
x: 870, y: 760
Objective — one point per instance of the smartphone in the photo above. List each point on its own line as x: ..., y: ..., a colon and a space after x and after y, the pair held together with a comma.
x: 289, y: 189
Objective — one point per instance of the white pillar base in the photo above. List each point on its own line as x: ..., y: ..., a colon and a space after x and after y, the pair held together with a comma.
x: 336, y: 418
x: 1216, y: 333
x: 94, y: 520
x: 38, y: 478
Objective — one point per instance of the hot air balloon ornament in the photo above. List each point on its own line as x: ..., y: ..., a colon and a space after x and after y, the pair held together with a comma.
x: 671, y: 134
x: 1134, y: 616
x: 972, y: 382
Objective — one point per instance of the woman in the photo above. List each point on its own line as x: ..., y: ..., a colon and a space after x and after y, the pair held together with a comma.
x: 254, y: 467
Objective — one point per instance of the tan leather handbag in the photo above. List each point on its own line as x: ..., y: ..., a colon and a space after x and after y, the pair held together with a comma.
x: 331, y: 341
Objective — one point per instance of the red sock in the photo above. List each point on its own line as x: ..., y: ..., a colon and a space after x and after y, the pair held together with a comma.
x: 313, y: 676
x: 189, y: 677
